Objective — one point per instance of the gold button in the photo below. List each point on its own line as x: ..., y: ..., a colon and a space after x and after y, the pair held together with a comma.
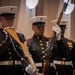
x: 34, y: 49
x: 40, y: 40
x: 38, y: 37
x: 43, y: 56
x: 0, y: 44
x: 10, y: 57
x: 3, y: 42
x: 70, y: 48
x: 10, y: 62
x: 41, y: 44
x: 62, y: 62
x: 43, y: 52
x: 42, y: 48
x: 9, y: 52
x: 63, y: 58
x: 44, y: 61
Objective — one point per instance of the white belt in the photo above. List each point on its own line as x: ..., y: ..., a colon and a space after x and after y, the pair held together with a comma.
x: 63, y: 62
x: 56, y: 62
x: 10, y: 62
x: 38, y: 64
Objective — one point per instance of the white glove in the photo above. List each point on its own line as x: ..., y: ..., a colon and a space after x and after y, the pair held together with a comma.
x: 57, y: 29
x: 29, y: 69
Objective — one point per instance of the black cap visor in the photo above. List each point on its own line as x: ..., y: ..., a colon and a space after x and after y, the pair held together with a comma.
x: 39, y: 23
x: 8, y: 15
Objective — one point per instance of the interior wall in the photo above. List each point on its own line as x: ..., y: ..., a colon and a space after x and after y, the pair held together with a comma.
x: 40, y: 8
x: 25, y: 14
x: 73, y: 23
x: 52, y: 9
x: 49, y: 8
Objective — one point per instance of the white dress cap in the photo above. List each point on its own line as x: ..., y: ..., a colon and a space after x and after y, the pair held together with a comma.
x: 38, y: 19
x: 8, y: 9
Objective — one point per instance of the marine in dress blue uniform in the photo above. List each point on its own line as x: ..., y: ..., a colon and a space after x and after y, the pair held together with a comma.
x: 63, y: 54
x: 10, y: 61
x: 37, y: 45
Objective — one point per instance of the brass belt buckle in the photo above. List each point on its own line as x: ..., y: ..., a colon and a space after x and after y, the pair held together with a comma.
x: 10, y: 62
x: 62, y: 62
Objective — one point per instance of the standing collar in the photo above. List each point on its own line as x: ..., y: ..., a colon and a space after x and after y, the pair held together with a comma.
x: 38, y: 37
